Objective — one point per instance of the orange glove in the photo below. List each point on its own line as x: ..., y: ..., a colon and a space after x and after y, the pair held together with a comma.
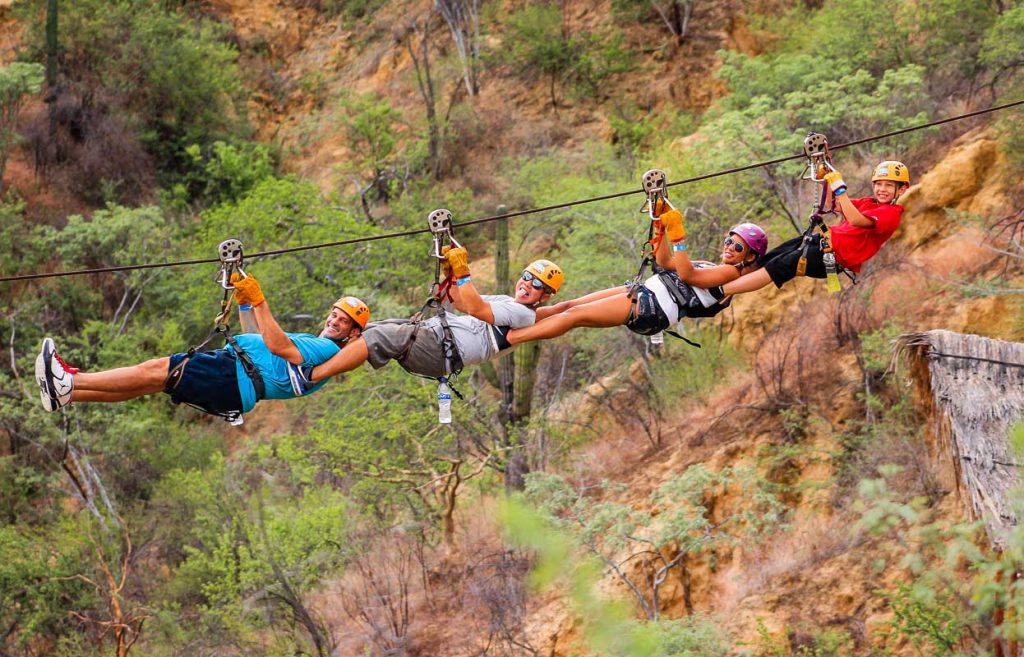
x: 446, y: 269
x: 458, y: 259
x: 673, y: 223
x: 835, y: 182
x: 247, y: 290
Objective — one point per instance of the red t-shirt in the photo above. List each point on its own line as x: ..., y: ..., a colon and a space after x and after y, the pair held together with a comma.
x: 855, y: 245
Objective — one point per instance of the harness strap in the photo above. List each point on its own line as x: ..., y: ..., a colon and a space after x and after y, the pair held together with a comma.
x: 453, y: 363
x: 249, y: 367
x: 686, y: 340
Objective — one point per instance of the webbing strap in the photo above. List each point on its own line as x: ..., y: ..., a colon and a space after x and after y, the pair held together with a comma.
x: 249, y: 367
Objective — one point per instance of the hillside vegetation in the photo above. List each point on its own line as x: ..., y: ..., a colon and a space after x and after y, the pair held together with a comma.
x: 771, y: 494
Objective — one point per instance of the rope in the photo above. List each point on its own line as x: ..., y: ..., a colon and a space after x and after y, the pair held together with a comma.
x: 519, y: 213
x: 932, y: 352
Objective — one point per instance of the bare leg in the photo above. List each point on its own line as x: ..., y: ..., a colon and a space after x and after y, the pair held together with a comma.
x: 597, y: 296
x: 748, y: 283
x: 142, y: 379
x: 562, y: 306
x: 604, y: 313
x: 352, y: 356
x: 94, y: 396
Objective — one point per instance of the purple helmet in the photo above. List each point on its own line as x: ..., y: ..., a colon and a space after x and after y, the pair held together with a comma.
x: 755, y: 238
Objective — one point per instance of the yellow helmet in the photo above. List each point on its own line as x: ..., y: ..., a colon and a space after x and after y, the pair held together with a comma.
x: 892, y: 170
x: 354, y: 308
x: 547, y: 273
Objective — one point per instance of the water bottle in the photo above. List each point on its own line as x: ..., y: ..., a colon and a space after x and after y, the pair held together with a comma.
x: 658, y: 338
x: 831, y: 273
x: 444, y: 402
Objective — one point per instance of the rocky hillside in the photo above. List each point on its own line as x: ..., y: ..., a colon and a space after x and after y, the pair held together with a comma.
x: 349, y: 524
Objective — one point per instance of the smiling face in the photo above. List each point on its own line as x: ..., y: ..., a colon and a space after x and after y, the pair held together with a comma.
x: 339, y: 326
x: 527, y: 294
x: 735, y: 250
x: 885, y: 191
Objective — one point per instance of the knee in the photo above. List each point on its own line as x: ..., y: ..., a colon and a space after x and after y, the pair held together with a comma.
x: 157, y: 367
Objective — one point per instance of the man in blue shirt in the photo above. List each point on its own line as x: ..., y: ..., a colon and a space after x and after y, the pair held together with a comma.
x: 225, y: 382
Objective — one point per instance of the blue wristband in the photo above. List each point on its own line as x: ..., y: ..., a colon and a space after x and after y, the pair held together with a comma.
x: 462, y: 281
x: 676, y: 248
x: 245, y: 306
x: 839, y: 192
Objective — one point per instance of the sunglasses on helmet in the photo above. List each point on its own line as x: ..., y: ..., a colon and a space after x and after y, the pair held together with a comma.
x: 535, y: 282
x: 736, y: 245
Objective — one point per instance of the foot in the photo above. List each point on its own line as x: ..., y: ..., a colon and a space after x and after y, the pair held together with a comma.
x: 300, y: 378
x: 58, y: 376
x: 44, y: 392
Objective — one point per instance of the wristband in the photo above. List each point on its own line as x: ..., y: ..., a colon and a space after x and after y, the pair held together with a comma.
x: 679, y: 246
x: 839, y: 192
x: 245, y: 306
x: 462, y: 281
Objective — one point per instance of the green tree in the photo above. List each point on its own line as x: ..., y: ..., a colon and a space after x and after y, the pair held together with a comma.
x: 175, y: 78
x: 17, y: 81
x: 684, y: 528
x: 538, y: 45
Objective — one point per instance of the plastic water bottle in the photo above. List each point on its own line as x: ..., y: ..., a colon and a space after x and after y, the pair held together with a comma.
x: 444, y: 402
x: 658, y: 338
x: 831, y: 273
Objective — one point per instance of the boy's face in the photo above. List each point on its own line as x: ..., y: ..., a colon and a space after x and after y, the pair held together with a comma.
x: 529, y: 295
x: 885, y: 190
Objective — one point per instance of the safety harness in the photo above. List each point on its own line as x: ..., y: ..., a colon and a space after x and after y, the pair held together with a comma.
x: 655, y: 187
x: 230, y: 253
x: 819, y: 162
x: 440, y: 224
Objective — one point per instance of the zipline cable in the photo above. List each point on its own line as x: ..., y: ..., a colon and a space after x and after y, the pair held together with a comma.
x: 518, y: 213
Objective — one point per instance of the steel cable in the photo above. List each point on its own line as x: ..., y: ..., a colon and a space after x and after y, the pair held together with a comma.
x: 509, y: 215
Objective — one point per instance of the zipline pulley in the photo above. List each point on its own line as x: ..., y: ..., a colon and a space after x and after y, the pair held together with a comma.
x: 819, y: 163
x: 440, y: 223
x: 231, y: 256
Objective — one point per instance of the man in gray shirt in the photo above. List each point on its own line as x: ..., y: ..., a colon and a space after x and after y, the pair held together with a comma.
x: 478, y: 334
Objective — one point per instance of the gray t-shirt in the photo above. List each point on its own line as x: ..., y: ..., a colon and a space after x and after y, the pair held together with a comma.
x: 473, y: 336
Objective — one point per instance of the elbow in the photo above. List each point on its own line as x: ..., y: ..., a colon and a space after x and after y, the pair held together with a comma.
x: 278, y: 347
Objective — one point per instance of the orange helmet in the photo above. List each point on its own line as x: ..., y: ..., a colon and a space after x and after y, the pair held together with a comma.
x: 892, y: 170
x: 547, y: 273
x: 354, y: 308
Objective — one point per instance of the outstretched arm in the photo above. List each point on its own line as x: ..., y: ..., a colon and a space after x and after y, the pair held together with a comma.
x: 248, y: 292
x: 705, y: 277
x: 748, y: 283
x: 560, y: 307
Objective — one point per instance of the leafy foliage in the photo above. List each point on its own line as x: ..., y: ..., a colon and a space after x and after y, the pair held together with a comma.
x: 17, y: 81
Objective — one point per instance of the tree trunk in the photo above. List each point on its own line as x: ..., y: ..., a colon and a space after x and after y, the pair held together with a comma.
x: 52, y: 46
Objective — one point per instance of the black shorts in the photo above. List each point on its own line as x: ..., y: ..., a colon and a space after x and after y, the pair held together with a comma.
x: 210, y: 382
x: 780, y: 262
x: 646, y: 317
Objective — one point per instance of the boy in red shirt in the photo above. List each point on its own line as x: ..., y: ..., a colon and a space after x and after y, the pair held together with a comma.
x: 866, y: 225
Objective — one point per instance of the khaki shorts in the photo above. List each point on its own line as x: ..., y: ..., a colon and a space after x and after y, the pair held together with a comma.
x: 387, y: 340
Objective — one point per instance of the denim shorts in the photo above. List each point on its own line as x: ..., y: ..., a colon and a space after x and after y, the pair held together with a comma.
x: 209, y: 382
x: 646, y: 317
